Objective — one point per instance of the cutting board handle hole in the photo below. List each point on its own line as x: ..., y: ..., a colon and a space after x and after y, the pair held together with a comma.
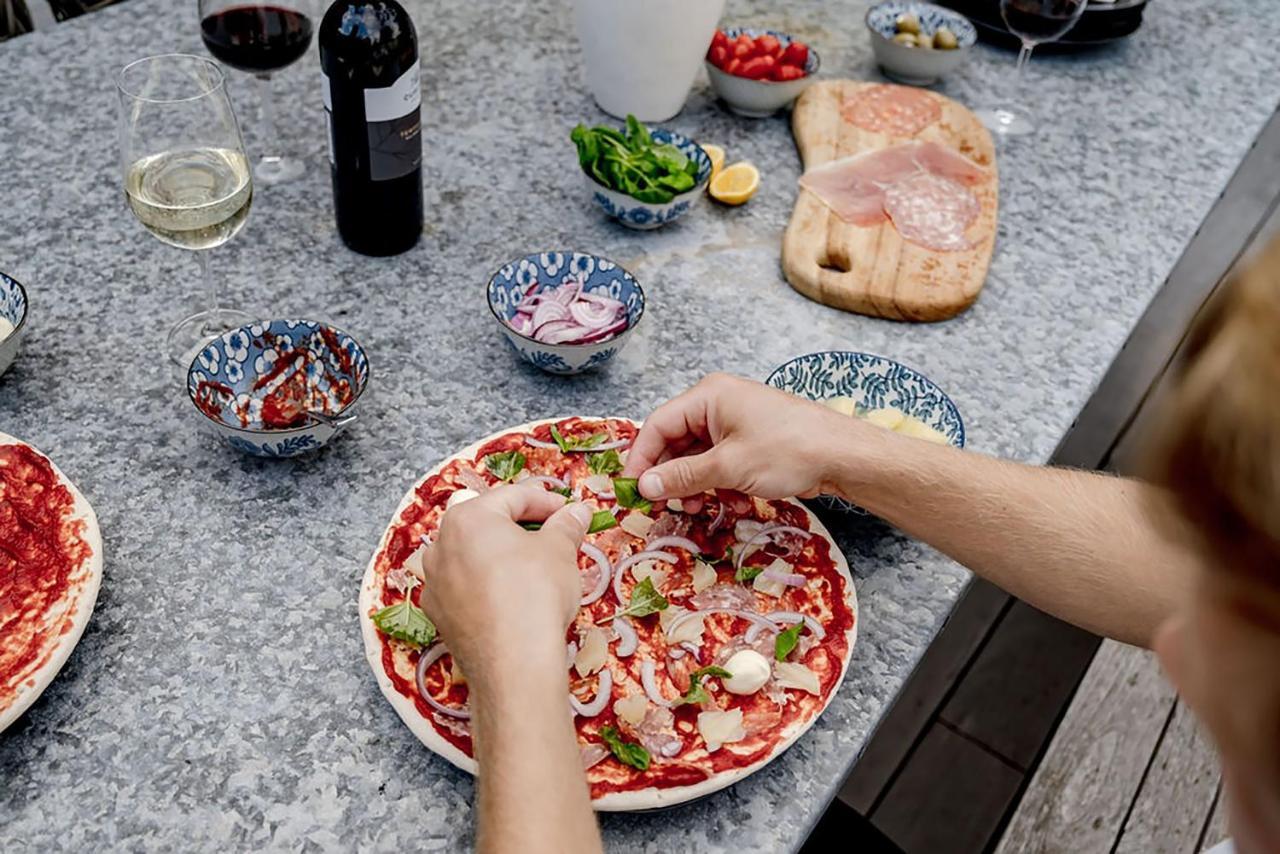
x: 836, y: 263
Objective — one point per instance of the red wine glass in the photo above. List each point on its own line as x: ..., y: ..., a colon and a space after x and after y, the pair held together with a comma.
x: 1034, y: 22
x: 260, y: 38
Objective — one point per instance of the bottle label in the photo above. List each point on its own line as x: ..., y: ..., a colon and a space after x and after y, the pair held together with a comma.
x: 394, y: 120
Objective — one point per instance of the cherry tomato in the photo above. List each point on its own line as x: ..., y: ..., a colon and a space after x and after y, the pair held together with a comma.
x: 758, y: 67
x: 718, y: 55
x: 768, y: 46
x: 797, y: 54
x: 720, y: 40
x: 733, y: 66
x: 787, y: 72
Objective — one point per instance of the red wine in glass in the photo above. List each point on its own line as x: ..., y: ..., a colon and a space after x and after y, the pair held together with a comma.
x: 1034, y: 22
x: 257, y: 38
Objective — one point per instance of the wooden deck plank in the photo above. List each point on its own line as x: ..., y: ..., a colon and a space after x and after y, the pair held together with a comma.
x: 1081, y: 792
x: 949, y: 798
x: 1216, y: 829
x: 1177, y: 797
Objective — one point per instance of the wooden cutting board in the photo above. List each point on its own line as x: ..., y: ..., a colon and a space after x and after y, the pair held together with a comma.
x: 871, y: 269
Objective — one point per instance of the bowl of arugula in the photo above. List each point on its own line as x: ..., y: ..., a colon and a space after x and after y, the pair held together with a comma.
x: 642, y: 178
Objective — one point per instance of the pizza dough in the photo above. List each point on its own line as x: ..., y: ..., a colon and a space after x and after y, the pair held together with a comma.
x: 685, y: 767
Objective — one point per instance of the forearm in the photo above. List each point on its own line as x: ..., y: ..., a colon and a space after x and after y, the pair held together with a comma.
x: 533, y: 795
x: 1079, y: 545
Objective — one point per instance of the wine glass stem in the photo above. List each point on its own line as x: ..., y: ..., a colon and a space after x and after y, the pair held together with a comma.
x: 211, y: 287
x: 1024, y: 56
x: 267, y: 124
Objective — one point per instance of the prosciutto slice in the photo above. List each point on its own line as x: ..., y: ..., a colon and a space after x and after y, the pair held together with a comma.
x: 915, y: 175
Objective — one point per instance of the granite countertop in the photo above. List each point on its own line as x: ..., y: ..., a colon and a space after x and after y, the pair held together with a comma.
x: 220, y: 697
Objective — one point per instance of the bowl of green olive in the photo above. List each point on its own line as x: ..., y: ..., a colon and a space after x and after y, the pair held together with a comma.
x: 918, y: 43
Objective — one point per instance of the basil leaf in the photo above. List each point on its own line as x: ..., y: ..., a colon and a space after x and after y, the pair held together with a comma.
x: 576, y: 443
x: 786, y: 641
x: 645, y: 600
x: 407, y: 622
x: 725, y: 558
x: 506, y: 465
x: 531, y: 526
x: 605, y: 462
x: 602, y: 520
x: 562, y: 490
x: 626, y: 752
x: 696, y: 693
x: 627, y: 491
x: 747, y: 573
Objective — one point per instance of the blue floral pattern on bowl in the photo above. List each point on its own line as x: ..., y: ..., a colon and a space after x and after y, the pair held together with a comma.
x: 634, y: 213
x: 13, y: 308
x: 882, y: 17
x: 873, y: 382
x: 220, y: 383
x: 549, y: 270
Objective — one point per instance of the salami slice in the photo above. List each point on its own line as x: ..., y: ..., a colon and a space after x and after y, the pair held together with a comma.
x: 892, y: 110
x: 932, y: 211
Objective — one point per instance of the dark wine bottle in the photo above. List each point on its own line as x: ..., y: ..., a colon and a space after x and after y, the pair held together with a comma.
x: 372, y: 98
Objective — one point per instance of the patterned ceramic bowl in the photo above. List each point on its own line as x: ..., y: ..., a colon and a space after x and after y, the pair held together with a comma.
x: 873, y: 382
x: 634, y: 213
x: 916, y: 65
x: 13, y: 308
x: 257, y: 386
x: 760, y: 98
x: 549, y: 270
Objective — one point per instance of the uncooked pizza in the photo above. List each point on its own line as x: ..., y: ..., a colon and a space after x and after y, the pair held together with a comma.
x: 705, y: 644
x: 50, y: 569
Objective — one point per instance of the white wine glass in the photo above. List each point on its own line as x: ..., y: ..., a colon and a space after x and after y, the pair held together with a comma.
x: 1035, y: 22
x: 186, y: 175
x: 260, y: 38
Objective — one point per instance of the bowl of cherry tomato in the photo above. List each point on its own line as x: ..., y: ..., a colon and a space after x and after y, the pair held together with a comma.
x: 758, y: 72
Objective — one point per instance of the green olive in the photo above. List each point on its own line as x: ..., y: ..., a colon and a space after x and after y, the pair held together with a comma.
x: 907, y: 23
x: 905, y: 39
x: 924, y: 41
x: 944, y: 39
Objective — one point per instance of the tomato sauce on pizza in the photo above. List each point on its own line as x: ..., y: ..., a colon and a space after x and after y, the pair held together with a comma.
x: 742, y: 584
x: 41, y: 550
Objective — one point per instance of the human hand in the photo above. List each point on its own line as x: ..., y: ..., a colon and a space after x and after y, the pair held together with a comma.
x: 731, y: 433
x: 497, y: 591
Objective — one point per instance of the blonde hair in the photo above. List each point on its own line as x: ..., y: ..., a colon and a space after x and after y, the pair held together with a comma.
x: 1217, y: 448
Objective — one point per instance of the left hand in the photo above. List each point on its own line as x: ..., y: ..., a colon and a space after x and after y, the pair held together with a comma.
x: 497, y: 592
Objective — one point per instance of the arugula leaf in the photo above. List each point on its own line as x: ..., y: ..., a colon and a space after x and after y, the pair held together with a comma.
x: 786, y: 641
x: 506, y: 465
x: 710, y: 558
x: 696, y: 693
x: 645, y: 600
x: 531, y: 526
x: 631, y: 162
x: 602, y: 520
x: 576, y: 443
x: 562, y: 490
x: 747, y: 573
x: 627, y: 491
x: 405, y: 621
x: 605, y: 462
x: 628, y: 753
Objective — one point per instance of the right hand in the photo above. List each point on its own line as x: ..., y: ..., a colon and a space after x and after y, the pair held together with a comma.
x: 731, y: 433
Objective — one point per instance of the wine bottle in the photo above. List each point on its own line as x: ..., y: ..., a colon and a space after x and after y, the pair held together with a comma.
x: 372, y: 100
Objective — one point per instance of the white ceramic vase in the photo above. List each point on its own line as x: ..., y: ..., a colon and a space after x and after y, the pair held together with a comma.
x: 642, y: 55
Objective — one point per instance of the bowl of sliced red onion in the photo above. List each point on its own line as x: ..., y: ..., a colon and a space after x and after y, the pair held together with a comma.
x: 565, y: 312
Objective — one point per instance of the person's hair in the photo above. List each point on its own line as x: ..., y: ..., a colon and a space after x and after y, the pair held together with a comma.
x: 1216, y: 446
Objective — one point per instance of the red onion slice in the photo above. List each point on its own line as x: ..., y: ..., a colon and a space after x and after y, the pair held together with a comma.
x: 719, y: 520
x: 598, y: 335
x: 693, y: 649
x: 765, y: 533
x: 604, y: 689
x: 794, y: 617
x: 523, y: 324
x: 548, y: 312
x: 613, y: 445
x: 750, y: 616
x: 428, y: 658
x: 539, y: 443
x: 679, y: 542
x: 559, y: 332
x: 649, y: 679
x: 756, y: 629
x: 676, y: 654
x: 621, y: 569
x: 548, y: 480
x: 593, y: 315
x: 628, y: 640
x: 791, y: 579
x: 606, y: 572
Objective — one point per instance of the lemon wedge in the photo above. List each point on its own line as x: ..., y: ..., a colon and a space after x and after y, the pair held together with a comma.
x: 716, y: 153
x: 735, y: 184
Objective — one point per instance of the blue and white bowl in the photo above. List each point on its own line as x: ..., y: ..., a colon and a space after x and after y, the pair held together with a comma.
x: 759, y: 98
x: 548, y: 270
x: 13, y: 308
x: 873, y: 382
x: 220, y: 383
x: 634, y: 213
x: 915, y: 65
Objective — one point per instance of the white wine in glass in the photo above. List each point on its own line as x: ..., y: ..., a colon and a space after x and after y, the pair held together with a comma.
x: 1034, y: 22
x: 186, y: 176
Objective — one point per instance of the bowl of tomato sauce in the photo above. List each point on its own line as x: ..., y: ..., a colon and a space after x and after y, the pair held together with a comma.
x: 278, y: 388
x: 757, y: 72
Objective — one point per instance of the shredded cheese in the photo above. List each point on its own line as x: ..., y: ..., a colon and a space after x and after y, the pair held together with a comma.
x: 637, y: 524
x: 720, y: 728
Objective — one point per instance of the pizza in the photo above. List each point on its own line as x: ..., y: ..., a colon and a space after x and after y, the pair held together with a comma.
x: 706, y: 643
x: 50, y: 570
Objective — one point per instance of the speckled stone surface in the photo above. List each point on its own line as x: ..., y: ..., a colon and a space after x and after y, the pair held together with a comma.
x: 220, y: 699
